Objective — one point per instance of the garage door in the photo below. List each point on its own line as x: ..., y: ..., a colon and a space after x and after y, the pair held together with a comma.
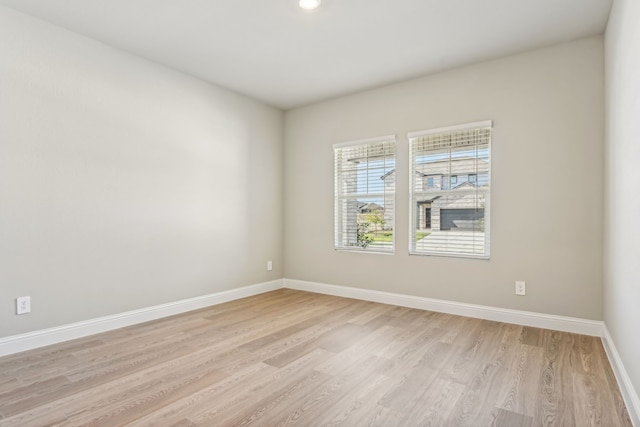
x: 461, y: 219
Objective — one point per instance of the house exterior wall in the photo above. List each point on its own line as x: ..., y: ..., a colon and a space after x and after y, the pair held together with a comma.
x: 466, y: 201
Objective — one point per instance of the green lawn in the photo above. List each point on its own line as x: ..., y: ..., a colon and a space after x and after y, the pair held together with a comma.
x: 387, y: 236
x: 421, y: 235
x: 381, y: 236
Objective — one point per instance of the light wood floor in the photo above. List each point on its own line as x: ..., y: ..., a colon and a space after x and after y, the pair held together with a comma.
x: 291, y: 357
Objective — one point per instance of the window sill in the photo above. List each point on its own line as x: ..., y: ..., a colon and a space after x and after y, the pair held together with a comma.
x: 451, y: 255
x: 365, y: 251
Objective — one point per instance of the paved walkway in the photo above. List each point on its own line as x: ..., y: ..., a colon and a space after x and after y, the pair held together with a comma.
x: 462, y: 242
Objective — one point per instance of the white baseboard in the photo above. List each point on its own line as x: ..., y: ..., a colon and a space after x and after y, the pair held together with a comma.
x: 518, y: 317
x: 631, y: 398
x: 525, y: 318
x: 41, y: 338
x: 31, y: 340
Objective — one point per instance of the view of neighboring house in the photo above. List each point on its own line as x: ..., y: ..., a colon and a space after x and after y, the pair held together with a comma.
x: 465, y: 181
x: 371, y: 207
x: 373, y: 214
x: 452, y: 193
x: 364, y: 202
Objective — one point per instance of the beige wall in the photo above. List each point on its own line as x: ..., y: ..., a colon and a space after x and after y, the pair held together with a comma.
x: 124, y: 184
x: 547, y: 107
x: 622, y: 177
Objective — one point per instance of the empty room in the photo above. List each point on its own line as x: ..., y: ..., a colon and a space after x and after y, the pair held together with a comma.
x: 319, y: 213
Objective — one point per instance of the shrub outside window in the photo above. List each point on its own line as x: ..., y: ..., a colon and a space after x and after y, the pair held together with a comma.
x: 365, y: 194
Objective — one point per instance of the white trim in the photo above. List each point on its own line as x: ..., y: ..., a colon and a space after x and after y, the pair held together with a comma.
x: 365, y: 141
x: 525, y: 318
x: 351, y: 249
x: 450, y: 254
x: 629, y: 394
x: 445, y: 129
x: 41, y: 338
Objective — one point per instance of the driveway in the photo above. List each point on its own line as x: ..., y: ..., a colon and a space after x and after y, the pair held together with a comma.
x: 462, y: 242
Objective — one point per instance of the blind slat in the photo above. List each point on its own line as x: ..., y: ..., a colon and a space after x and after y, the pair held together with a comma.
x: 450, y: 191
x: 365, y: 194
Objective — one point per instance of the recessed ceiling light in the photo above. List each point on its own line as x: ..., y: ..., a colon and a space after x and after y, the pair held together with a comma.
x: 309, y: 4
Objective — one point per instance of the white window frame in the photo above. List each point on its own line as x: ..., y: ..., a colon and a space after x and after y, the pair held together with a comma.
x: 343, y: 227
x: 414, y: 193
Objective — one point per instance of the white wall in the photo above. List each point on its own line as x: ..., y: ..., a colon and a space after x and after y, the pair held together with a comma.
x: 622, y: 176
x: 547, y: 190
x: 124, y: 184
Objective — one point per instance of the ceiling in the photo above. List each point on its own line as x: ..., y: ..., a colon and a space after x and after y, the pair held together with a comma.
x: 274, y: 51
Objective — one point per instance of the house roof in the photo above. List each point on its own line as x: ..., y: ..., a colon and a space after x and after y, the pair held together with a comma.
x: 372, y: 206
x: 464, y: 185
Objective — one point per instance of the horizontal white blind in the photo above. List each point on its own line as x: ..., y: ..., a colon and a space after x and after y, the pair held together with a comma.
x: 365, y: 195
x: 450, y: 191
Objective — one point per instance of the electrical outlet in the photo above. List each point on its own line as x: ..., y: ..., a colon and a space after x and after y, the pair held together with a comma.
x: 269, y: 265
x: 23, y: 305
x: 521, y: 288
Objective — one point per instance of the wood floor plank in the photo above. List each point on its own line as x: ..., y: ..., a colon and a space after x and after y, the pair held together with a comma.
x: 305, y: 407
x: 14, y: 400
x: 202, y: 401
x: 35, y: 359
x: 297, y: 358
x: 435, y: 406
x: 291, y: 327
x: 359, y: 404
x: 506, y: 418
x: 516, y: 392
x: 359, y: 351
x: 483, y: 386
x: 183, y: 423
x: 278, y: 402
x: 531, y: 336
x: 231, y: 405
x: 419, y: 377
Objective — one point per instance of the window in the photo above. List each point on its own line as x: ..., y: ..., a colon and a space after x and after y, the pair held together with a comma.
x: 453, y: 220
x: 365, y: 194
